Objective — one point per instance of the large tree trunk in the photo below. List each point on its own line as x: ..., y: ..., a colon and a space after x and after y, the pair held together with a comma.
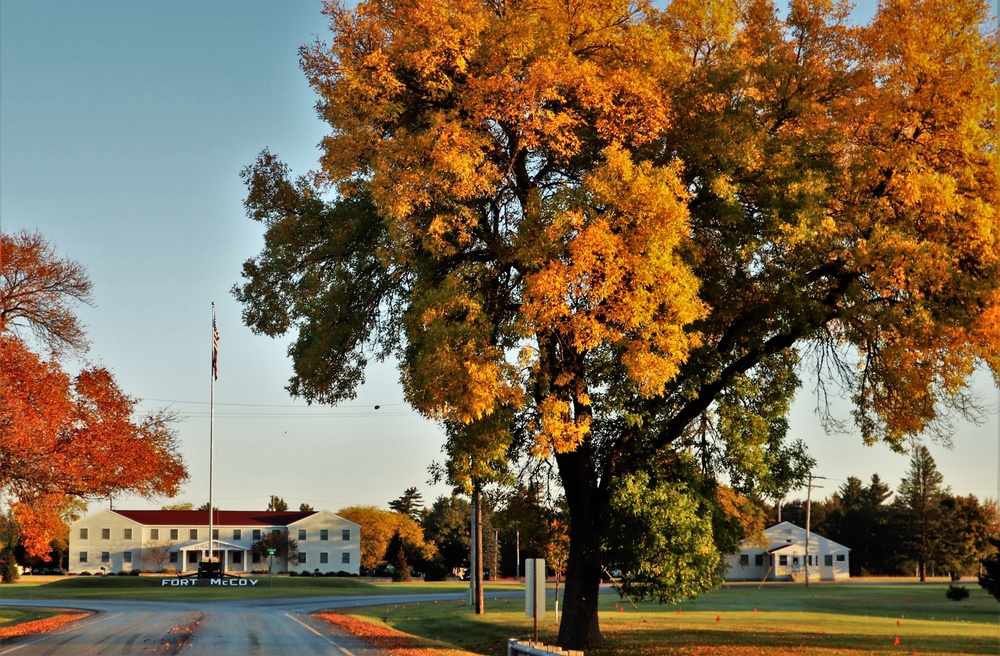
x: 579, y: 627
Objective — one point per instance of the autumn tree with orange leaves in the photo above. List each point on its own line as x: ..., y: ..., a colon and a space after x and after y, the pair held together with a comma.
x: 616, y: 236
x: 63, y: 435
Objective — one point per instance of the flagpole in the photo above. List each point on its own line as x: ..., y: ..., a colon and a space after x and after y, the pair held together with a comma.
x: 211, y: 440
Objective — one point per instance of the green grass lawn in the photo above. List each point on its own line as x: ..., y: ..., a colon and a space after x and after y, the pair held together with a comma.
x: 823, y: 619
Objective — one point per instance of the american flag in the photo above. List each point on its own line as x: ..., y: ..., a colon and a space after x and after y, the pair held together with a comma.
x: 215, y: 350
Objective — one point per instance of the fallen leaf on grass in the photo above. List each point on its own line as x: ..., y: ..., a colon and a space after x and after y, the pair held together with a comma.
x: 394, y: 642
x: 40, y: 626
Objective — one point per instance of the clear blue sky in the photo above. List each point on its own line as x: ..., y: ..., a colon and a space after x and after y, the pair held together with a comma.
x: 123, y: 128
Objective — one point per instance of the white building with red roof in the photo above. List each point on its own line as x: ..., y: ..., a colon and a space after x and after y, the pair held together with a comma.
x: 123, y: 541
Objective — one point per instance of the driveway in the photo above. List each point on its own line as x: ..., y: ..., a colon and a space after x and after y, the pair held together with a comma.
x: 260, y: 627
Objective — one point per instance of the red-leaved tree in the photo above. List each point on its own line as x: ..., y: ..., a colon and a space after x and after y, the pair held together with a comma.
x: 60, y: 434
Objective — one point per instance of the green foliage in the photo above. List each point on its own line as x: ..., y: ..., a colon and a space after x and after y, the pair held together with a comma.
x: 285, y: 548
x: 396, y: 555
x: 989, y: 578
x: 968, y: 525
x: 919, y: 503
x: 315, y: 255
x: 277, y: 504
x: 9, y: 571
x: 411, y: 503
x: 660, y: 539
x: 447, y: 525
x: 957, y: 592
x: 860, y: 519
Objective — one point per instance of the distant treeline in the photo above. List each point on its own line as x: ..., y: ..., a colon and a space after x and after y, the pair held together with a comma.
x: 920, y: 528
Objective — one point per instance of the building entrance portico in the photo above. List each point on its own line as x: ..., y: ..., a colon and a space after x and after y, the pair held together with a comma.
x: 233, y: 557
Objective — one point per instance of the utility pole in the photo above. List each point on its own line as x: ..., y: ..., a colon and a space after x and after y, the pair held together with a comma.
x: 517, y: 555
x: 476, y: 550
x: 478, y: 514
x: 809, y: 518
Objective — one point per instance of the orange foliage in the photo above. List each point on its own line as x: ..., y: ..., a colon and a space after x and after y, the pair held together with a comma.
x: 63, y: 435
x: 79, y: 436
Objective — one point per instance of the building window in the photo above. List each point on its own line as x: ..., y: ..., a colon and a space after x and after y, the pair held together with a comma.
x: 302, y: 558
x: 324, y: 534
x: 173, y: 534
x: 237, y: 534
x: 192, y: 556
x: 105, y: 533
x: 345, y: 534
x: 83, y: 556
x: 194, y: 534
x: 324, y: 558
x: 840, y: 558
x: 302, y: 534
x: 783, y: 560
x: 758, y: 560
x: 744, y: 560
x: 84, y: 533
x: 105, y: 556
x: 215, y: 534
x: 256, y: 535
x: 345, y: 557
x: 127, y: 556
x: 237, y: 558
x: 828, y: 560
x: 173, y: 556
x: 127, y: 534
x: 154, y: 534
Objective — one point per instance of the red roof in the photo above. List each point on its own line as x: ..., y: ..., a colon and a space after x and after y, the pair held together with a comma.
x: 263, y: 518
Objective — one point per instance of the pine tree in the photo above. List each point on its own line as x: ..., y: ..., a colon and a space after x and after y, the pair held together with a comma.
x: 989, y: 579
x: 922, y: 518
x: 410, y: 504
x: 395, y: 555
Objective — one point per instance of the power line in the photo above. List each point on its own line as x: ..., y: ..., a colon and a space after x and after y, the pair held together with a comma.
x: 270, y: 405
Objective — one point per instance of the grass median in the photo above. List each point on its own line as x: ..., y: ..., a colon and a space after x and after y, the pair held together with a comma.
x: 152, y: 588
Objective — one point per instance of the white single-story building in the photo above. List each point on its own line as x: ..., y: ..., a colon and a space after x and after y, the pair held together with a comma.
x: 178, y: 540
x: 782, y: 557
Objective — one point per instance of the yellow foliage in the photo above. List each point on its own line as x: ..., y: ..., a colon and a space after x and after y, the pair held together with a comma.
x: 621, y: 281
x: 526, y: 158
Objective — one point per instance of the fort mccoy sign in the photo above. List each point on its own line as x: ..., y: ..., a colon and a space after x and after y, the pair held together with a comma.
x: 233, y: 582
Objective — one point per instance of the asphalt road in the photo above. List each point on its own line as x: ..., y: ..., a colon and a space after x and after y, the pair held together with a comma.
x: 269, y: 627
